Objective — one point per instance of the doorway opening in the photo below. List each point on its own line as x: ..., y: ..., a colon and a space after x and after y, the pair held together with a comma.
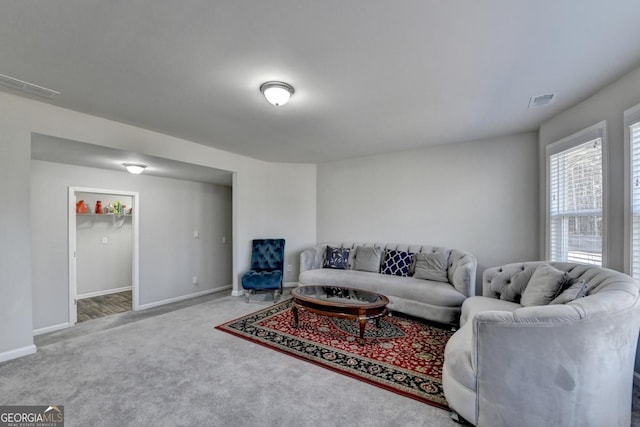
x: 103, y: 252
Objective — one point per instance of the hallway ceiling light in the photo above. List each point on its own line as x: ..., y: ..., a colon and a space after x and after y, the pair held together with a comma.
x: 134, y: 168
x: 277, y: 93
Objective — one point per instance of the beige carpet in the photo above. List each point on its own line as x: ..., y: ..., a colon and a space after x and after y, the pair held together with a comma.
x: 175, y: 368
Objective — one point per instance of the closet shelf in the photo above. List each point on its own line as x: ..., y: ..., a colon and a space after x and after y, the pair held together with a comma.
x: 104, y: 215
x: 118, y: 220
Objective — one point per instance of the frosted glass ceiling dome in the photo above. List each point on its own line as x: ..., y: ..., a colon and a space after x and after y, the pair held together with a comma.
x: 277, y: 93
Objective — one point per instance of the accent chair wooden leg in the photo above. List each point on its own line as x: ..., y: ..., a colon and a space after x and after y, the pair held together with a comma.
x: 247, y: 294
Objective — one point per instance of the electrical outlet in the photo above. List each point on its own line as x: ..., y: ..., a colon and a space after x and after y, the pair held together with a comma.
x: 289, y: 267
x: 196, y: 234
x: 195, y: 280
x: 224, y: 239
x: 105, y: 240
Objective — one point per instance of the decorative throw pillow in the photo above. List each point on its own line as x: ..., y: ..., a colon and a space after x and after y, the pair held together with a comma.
x: 337, y: 258
x: 513, y: 291
x: 368, y: 259
x: 432, y: 266
x: 573, y: 292
x: 543, y: 286
x: 397, y: 263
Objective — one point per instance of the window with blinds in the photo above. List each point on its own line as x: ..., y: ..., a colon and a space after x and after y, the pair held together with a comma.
x: 634, y: 136
x: 575, y: 204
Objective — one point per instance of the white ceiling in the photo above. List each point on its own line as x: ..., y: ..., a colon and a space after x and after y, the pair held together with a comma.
x: 370, y: 76
x: 58, y: 150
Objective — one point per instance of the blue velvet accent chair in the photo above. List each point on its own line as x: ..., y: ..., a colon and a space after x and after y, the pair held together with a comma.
x: 267, y: 268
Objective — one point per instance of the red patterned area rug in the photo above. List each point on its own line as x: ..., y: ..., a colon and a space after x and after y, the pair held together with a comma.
x: 404, y: 355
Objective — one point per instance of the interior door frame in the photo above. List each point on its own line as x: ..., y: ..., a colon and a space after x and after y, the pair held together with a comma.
x: 72, y: 244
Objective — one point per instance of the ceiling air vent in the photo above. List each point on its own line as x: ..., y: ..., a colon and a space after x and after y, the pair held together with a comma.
x: 27, y: 87
x: 542, y: 100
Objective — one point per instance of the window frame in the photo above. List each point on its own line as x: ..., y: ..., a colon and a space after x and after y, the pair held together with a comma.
x: 631, y: 117
x: 598, y: 130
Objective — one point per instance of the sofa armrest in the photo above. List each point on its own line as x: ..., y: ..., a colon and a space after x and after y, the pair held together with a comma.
x: 311, y: 258
x: 548, y: 366
x: 462, y: 272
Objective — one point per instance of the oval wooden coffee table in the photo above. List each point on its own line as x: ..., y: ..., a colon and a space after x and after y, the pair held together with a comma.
x: 336, y: 301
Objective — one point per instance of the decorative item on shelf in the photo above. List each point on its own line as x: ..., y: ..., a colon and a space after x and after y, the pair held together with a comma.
x: 98, y: 207
x: 82, y: 207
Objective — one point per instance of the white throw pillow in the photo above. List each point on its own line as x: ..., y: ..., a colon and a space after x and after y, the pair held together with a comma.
x: 543, y: 286
x: 368, y: 259
x: 431, y: 266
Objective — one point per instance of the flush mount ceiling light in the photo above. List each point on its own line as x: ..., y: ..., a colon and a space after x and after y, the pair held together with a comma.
x: 277, y: 93
x: 134, y: 168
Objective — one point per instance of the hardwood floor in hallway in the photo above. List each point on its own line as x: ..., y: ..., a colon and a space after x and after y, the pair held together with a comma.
x: 103, y: 305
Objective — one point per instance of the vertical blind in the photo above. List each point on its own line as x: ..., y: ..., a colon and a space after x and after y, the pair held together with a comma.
x: 575, y: 205
x: 635, y: 199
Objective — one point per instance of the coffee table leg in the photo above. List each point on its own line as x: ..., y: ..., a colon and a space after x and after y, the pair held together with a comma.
x: 363, y: 322
x: 296, y: 320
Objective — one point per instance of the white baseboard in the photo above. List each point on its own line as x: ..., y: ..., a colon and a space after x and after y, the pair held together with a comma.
x: 237, y: 293
x: 105, y: 292
x: 50, y: 329
x: 18, y: 352
x: 182, y: 298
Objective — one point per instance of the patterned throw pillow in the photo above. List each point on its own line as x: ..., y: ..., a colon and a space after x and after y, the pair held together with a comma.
x: 576, y: 291
x: 397, y: 263
x: 337, y: 258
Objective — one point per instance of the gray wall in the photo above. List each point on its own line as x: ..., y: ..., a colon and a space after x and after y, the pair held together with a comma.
x: 15, y: 265
x: 20, y: 117
x: 608, y: 104
x: 479, y: 196
x: 100, y: 266
x: 170, y: 211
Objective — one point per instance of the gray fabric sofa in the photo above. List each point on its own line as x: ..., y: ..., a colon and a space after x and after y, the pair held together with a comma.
x: 432, y: 300
x: 552, y: 365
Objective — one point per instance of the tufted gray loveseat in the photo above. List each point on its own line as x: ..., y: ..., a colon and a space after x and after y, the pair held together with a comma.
x: 550, y: 365
x: 431, y: 300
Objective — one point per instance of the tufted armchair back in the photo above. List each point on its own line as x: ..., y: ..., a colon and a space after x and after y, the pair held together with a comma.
x: 267, y: 255
x: 598, y: 279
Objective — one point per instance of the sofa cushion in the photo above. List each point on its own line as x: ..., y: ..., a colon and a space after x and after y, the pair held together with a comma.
x: 368, y: 259
x: 543, y: 286
x: 431, y: 266
x: 424, y: 291
x: 518, y: 283
x: 397, y: 263
x: 336, y: 258
x: 573, y: 292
